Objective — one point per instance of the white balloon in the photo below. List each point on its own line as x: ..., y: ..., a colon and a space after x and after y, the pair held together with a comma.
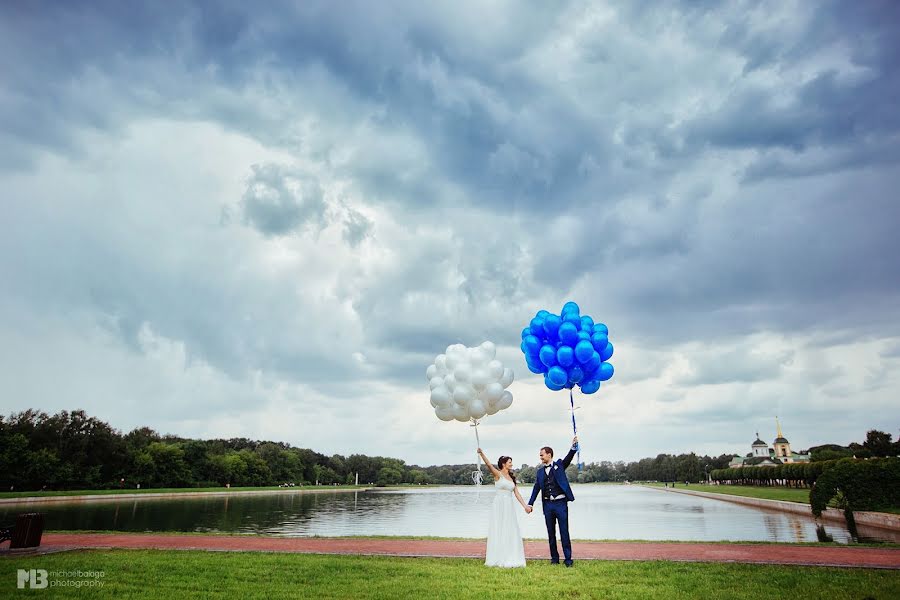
x: 458, y: 351
x: 495, y: 370
x: 507, y: 378
x: 481, y: 376
x: 440, y: 396
x: 468, y: 383
x: 477, y: 409
x: 463, y: 372
x: 493, y: 391
x: 463, y: 394
x: 444, y: 414
x: 450, y: 382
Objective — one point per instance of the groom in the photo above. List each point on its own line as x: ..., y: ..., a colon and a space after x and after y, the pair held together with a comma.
x: 551, y: 481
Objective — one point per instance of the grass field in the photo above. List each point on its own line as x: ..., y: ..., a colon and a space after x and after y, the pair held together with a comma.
x: 154, y: 574
x: 766, y: 493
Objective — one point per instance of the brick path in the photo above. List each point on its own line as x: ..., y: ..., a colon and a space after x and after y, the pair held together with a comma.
x: 883, y: 558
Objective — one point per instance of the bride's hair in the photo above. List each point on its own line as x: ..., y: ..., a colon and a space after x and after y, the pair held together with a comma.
x: 500, y: 462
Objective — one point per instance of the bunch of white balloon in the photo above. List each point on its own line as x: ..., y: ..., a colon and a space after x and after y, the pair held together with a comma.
x: 469, y: 383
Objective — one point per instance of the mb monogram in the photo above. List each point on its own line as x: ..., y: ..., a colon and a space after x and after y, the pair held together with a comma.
x: 35, y: 578
x: 40, y: 578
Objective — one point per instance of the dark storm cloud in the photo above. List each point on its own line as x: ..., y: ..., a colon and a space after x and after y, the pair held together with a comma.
x: 592, y: 166
x: 357, y: 227
x: 277, y: 202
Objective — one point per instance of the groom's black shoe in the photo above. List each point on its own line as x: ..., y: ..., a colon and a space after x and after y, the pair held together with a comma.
x: 568, y: 563
x: 554, y: 562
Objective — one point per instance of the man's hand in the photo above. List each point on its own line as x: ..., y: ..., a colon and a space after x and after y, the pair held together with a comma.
x: 574, y: 441
x: 528, y: 509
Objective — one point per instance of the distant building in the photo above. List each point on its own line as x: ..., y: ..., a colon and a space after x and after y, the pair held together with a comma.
x: 761, y: 455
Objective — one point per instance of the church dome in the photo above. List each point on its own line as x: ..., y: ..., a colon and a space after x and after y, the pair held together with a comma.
x: 781, y: 440
x: 759, y: 442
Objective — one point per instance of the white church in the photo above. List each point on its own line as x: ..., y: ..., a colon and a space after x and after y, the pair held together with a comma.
x: 761, y: 455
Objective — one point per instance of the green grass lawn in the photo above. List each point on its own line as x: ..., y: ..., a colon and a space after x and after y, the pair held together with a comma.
x: 174, y: 490
x: 158, y: 574
x: 767, y: 493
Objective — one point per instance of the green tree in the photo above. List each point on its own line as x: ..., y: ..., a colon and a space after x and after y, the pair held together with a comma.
x: 878, y: 443
x: 389, y: 476
x: 169, y: 468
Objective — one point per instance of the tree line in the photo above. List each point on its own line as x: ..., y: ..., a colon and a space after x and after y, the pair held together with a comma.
x: 71, y: 450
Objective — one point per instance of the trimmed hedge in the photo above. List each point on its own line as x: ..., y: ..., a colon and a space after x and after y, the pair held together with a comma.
x: 859, y: 485
x: 791, y: 474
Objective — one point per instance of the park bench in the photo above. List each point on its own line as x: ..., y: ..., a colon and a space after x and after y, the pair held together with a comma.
x: 25, y: 533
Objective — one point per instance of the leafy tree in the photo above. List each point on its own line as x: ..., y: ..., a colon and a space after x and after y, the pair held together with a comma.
x: 389, y: 476
x: 878, y: 443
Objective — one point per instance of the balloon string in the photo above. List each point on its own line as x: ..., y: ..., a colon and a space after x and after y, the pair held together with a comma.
x: 477, y: 475
x: 574, y: 428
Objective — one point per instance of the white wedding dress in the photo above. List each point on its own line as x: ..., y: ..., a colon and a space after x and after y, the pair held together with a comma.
x: 504, y: 542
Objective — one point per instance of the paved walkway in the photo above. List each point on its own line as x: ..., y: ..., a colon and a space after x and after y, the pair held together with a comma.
x: 837, y: 556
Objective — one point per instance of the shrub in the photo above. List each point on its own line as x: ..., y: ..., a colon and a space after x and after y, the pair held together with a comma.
x: 859, y: 485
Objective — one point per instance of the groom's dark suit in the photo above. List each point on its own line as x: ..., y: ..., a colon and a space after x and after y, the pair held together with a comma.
x: 556, y: 493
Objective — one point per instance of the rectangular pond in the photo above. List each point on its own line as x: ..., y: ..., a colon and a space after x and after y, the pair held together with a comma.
x: 614, y: 512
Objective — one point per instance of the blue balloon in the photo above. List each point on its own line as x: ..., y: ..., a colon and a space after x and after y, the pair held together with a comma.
x: 575, y: 374
x: 532, y: 344
x: 534, y: 368
x: 568, y: 334
x: 605, y: 371
x: 573, y: 318
x: 592, y: 363
x: 565, y: 356
x: 551, y: 326
x: 589, y: 387
x: 607, y: 352
x: 568, y: 349
x: 584, y: 351
x: 548, y: 355
x: 599, y: 340
x: 570, y: 306
x: 557, y: 376
x: 552, y: 385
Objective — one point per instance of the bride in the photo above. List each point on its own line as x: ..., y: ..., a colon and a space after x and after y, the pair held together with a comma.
x: 504, y: 542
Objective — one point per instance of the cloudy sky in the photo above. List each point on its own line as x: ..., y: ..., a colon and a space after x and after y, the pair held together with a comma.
x: 221, y: 220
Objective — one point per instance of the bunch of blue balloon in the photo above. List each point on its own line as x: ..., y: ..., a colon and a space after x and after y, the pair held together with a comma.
x: 568, y: 349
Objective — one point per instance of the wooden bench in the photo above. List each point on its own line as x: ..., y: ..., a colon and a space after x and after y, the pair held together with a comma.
x: 26, y: 532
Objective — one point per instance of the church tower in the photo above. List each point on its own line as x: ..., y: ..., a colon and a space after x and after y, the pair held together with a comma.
x: 782, y: 446
x: 760, y: 448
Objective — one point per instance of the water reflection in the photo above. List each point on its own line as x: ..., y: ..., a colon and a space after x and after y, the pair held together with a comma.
x: 600, y: 512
